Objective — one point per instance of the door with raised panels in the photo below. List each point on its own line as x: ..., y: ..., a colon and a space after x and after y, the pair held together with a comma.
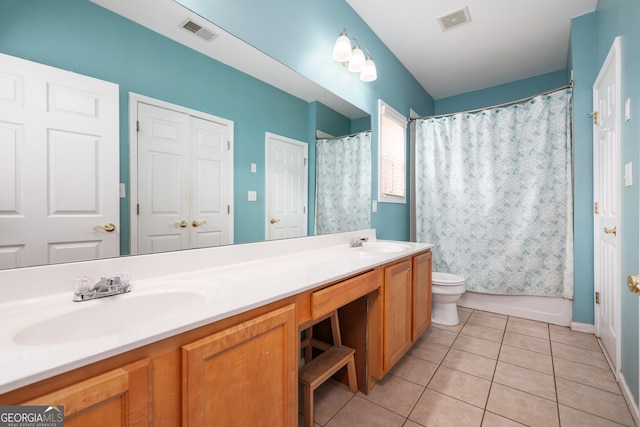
x: 59, y: 165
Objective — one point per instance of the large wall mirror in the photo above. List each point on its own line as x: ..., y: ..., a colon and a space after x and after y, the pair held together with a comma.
x: 143, y: 47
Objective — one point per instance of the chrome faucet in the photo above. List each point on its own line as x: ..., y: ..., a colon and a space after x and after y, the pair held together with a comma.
x: 105, y: 287
x: 357, y: 242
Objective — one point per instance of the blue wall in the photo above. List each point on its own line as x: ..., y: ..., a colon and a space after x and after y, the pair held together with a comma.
x: 620, y: 18
x: 301, y: 35
x: 85, y: 38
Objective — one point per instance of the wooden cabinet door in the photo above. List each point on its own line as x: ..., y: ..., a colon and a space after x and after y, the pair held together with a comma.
x: 245, y: 375
x: 397, y: 313
x: 116, y: 398
x: 421, y: 295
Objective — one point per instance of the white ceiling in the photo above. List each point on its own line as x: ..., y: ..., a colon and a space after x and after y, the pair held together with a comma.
x: 506, y: 40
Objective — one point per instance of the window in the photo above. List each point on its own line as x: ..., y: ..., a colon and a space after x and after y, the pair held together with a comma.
x: 392, y: 155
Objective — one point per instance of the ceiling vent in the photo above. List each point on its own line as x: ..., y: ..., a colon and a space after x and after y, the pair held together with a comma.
x: 455, y: 19
x: 198, y: 30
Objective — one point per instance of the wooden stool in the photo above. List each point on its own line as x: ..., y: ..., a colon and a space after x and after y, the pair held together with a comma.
x: 317, y: 370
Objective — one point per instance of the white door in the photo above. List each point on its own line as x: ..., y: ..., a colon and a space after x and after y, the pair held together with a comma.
x: 606, y: 143
x: 59, y: 165
x: 184, y: 180
x: 286, y: 187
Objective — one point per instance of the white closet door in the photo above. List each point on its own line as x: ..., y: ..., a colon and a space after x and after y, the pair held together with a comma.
x: 59, y: 165
x: 163, y: 170
x: 184, y: 181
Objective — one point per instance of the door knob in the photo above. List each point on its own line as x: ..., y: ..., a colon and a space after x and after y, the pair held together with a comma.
x: 633, y: 281
x: 198, y: 223
x: 610, y: 230
x: 108, y: 228
x: 182, y: 223
x: 273, y: 220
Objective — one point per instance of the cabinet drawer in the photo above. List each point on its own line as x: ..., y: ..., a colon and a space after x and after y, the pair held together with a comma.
x: 328, y: 299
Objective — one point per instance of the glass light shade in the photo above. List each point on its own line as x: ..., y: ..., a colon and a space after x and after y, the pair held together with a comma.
x: 342, y: 48
x: 356, y: 63
x: 369, y: 72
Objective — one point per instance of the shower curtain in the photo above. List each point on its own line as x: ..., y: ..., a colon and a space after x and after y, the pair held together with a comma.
x: 343, y: 183
x: 493, y: 193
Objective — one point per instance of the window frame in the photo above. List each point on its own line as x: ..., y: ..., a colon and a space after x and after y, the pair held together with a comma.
x: 387, y: 113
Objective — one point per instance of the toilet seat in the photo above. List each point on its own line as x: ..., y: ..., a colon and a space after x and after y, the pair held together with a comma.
x: 446, y: 279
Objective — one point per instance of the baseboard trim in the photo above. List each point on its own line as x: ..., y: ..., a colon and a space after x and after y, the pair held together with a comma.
x: 628, y: 396
x: 583, y: 327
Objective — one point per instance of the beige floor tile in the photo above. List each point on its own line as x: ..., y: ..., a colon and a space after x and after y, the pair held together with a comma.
x: 539, y: 345
x: 527, y: 380
x: 528, y: 321
x: 428, y: 351
x: 537, y: 329
x: 493, y: 420
x: 361, y: 412
x: 522, y: 407
x: 477, y: 346
x: 584, y: 374
x: 489, y: 320
x: 327, y: 401
x: 410, y: 423
x: 483, y: 332
x: 492, y: 314
x: 576, y: 339
x: 610, y: 406
x: 454, y: 329
x: 464, y: 313
x: 395, y: 394
x: 301, y: 421
x: 461, y: 386
x: 470, y: 363
x: 527, y: 359
x: 439, y: 336
x: 435, y: 409
x: 416, y: 370
x: 579, y: 355
x: 570, y: 417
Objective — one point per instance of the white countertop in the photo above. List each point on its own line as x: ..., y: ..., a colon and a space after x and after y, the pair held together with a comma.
x: 235, y: 283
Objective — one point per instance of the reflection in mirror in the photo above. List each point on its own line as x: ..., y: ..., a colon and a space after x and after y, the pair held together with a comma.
x: 118, y: 41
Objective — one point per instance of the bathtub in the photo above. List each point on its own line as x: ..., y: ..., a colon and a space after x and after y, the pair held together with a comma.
x: 557, y: 311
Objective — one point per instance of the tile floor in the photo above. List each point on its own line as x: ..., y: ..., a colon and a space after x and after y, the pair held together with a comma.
x: 491, y: 371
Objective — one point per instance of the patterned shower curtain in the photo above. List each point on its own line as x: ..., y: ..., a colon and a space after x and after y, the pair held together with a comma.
x: 493, y: 193
x: 343, y: 184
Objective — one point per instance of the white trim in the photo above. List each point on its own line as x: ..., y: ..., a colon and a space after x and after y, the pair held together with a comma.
x: 583, y: 327
x: 134, y: 99
x: 628, y: 396
x: 613, y: 55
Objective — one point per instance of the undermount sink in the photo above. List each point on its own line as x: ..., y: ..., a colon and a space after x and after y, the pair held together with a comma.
x: 110, y: 315
x: 383, y: 247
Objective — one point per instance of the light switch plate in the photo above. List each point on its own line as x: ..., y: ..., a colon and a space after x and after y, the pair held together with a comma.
x: 254, y: 168
x: 253, y: 196
x: 123, y: 190
x: 374, y: 206
x: 628, y: 174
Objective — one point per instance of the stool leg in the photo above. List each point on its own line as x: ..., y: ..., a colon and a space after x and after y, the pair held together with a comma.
x: 308, y: 406
x: 351, y: 374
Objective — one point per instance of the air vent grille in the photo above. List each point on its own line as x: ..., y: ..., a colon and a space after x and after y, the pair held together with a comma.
x: 198, y: 30
x: 455, y: 19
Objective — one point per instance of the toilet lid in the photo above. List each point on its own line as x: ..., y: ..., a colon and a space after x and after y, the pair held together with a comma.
x: 446, y: 279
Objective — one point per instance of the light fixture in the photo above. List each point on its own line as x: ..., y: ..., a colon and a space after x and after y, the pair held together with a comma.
x: 354, y: 58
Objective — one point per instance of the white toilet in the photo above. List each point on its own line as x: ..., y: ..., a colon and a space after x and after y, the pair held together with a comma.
x: 446, y: 290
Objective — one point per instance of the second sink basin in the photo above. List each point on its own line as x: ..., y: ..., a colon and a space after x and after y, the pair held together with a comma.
x: 109, y: 316
x: 383, y: 247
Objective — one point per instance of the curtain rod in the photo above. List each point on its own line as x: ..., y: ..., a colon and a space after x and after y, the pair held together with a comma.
x: 518, y: 101
x: 343, y: 136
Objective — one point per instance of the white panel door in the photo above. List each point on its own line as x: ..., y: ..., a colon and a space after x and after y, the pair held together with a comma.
x: 184, y: 186
x: 286, y: 187
x: 210, y: 183
x: 606, y: 134
x: 163, y: 179
x: 59, y: 160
